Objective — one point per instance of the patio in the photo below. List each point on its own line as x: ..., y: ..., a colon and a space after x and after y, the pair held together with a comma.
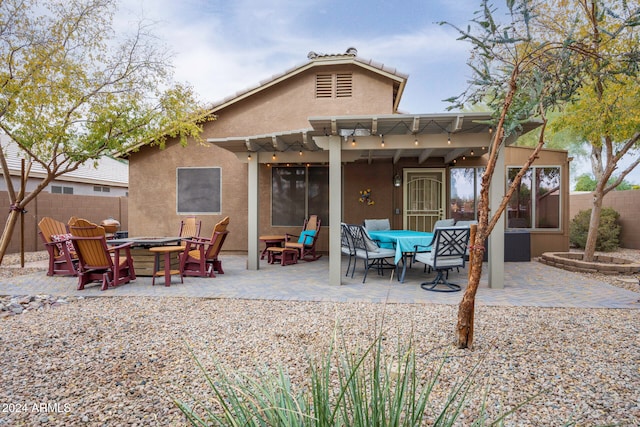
x: 526, y: 284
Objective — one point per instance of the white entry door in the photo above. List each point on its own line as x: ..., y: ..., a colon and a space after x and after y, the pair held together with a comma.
x: 424, y: 198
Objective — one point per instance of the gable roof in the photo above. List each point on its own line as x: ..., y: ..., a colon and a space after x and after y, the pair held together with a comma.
x: 108, y: 171
x: 322, y: 60
x: 315, y: 60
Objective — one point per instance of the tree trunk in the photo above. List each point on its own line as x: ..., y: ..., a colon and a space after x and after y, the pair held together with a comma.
x: 7, y: 233
x: 594, y: 222
x: 466, y: 309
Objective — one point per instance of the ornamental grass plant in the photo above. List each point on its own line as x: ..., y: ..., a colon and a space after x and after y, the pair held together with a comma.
x: 344, y: 388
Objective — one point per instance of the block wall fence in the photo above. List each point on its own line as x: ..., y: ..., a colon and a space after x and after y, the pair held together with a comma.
x: 60, y: 207
x: 626, y: 203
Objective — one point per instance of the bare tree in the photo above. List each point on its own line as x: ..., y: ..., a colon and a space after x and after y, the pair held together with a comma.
x: 520, y: 78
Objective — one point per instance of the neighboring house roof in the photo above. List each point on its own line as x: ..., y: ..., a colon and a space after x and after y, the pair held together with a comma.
x: 107, y: 171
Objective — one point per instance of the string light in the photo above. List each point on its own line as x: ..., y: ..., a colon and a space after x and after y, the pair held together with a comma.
x: 472, y: 152
x: 415, y: 141
x: 249, y: 156
x: 300, y: 153
x: 274, y: 156
x: 353, y: 142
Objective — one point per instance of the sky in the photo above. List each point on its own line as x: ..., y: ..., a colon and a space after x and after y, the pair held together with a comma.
x: 223, y: 47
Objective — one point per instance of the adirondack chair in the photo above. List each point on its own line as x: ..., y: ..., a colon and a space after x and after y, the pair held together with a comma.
x: 190, y: 227
x: 98, y: 262
x: 57, y: 241
x: 200, y: 255
x: 306, y: 241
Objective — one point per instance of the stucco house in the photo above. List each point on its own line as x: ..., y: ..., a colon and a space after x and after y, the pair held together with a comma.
x: 106, y: 177
x: 309, y: 140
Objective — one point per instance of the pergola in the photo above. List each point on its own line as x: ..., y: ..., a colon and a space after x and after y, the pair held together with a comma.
x: 339, y: 139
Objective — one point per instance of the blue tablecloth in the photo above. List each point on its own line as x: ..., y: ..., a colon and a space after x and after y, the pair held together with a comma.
x: 403, y: 240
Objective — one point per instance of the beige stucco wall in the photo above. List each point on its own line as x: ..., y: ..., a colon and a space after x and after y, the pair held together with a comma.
x: 285, y: 106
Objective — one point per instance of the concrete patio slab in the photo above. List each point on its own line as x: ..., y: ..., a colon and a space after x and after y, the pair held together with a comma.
x: 526, y: 284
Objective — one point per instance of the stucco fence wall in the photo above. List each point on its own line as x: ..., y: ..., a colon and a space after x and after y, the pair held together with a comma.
x: 626, y: 203
x: 61, y: 207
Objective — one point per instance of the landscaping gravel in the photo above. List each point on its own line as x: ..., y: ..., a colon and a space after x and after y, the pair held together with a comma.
x: 112, y: 361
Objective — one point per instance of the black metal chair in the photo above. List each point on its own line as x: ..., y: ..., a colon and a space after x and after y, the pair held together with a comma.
x: 370, y: 252
x: 448, y: 251
x: 346, y: 246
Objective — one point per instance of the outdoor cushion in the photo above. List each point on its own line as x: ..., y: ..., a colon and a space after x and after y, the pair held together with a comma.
x: 377, y: 224
x: 60, y: 238
x: 371, y: 245
x: 444, y: 223
x: 306, y: 237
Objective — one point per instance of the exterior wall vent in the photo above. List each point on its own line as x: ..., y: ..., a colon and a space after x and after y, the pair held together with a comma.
x: 324, y: 86
x: 344, y: 85
x: 334, y: 85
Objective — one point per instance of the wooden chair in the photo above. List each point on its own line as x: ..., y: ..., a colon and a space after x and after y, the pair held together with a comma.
x: 200, y: 255
x: 98, y: 262
x: 190, y: 227
x: 57, y: 241
x: 306, y: 241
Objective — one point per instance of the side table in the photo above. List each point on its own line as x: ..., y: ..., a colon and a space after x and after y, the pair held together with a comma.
x: 286, y: 256
x: 271, y: 241
x: 167, y: 251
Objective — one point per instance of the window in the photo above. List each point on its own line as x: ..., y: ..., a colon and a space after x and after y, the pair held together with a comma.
x: 101, y: 189
x: 297, y: 192
x: 338, y: 85
x: 465, y: 193
x: 536, y: 202
x: 198, y: 190
x: 58, y: 189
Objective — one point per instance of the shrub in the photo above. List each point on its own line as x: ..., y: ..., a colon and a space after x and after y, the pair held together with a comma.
x: 608, y: 230
x: 345, y: 388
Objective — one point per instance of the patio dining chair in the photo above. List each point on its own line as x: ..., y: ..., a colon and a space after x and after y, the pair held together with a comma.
x: 370, y: 252
x: 346, y: 246
x: 55, y: 235
x: 200, y: 255
x: 306, y: 241
x: 448, y: 251
x: 97, y: 261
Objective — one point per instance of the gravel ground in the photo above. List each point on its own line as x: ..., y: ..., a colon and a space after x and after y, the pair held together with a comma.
x: 118, y: 361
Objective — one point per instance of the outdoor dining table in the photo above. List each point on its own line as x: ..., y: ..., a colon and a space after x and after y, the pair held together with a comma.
x: 404, y: 242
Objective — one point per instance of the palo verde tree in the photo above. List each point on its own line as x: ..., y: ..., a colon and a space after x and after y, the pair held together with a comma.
x: 606, y: 110
x: 72, y: 90
x: 519, y: 77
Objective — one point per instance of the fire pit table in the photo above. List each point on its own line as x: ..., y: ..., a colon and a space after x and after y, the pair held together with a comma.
x: 143, y: 259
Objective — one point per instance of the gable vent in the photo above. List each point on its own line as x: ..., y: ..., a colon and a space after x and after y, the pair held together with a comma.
x: 344, y: 85
x: 324, y: 86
